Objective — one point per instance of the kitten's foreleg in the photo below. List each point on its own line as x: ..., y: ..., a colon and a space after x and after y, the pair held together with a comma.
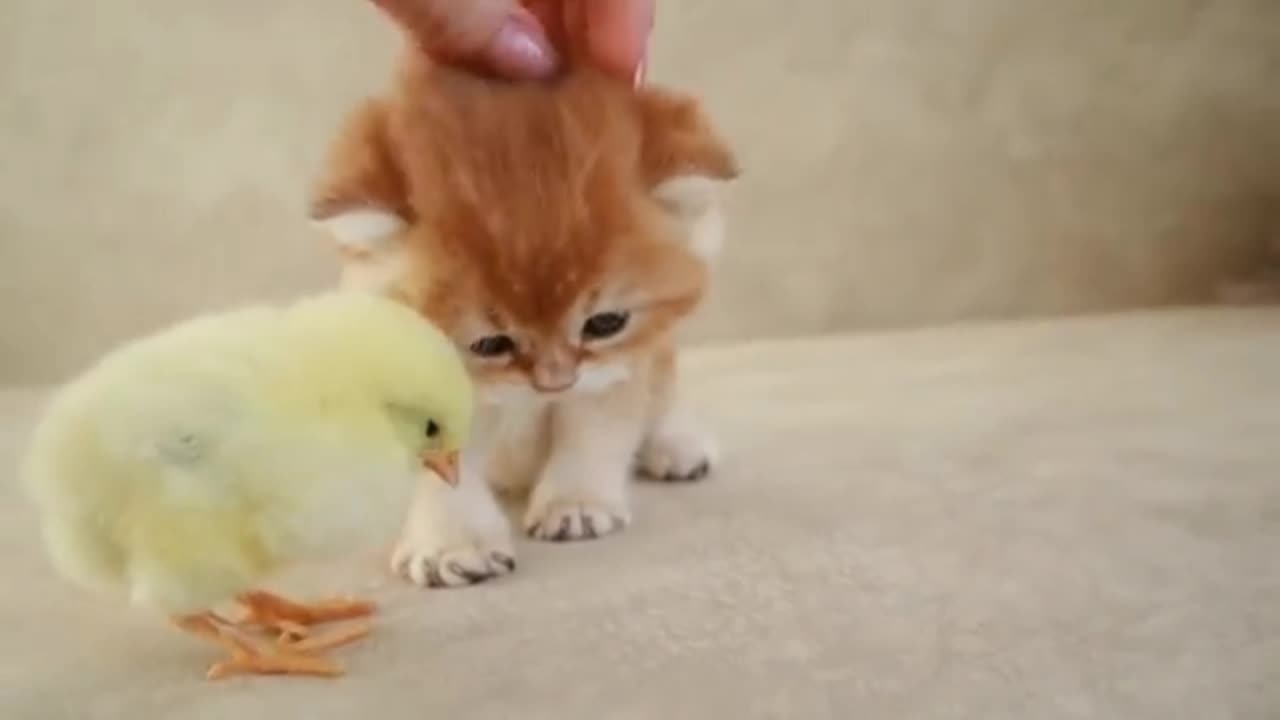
x: 454, y: 536
x: 582, y: 491
x: 676, y: 447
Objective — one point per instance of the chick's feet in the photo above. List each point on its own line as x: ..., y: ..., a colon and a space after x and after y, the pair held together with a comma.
x: 291, y: 648
x: 250, y: 656
x: 290, y: 621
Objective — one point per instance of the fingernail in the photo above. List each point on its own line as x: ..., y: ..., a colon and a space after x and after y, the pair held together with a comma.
x: 516, y: 50
x: 638, y: 79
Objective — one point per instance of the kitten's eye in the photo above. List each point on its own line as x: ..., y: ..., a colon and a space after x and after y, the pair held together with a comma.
x: 493, y: 346
x: 605, y: 324
x: 432, y: 429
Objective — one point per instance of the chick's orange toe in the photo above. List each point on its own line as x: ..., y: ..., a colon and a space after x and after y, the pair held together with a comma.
x: 254, y: 656
x: 315, y: 643
x: 287, y: 616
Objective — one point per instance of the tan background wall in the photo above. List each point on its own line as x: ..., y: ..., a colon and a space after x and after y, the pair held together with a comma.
x: 908, y: 161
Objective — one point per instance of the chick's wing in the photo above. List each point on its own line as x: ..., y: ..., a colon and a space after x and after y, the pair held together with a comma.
x: 192, y: 406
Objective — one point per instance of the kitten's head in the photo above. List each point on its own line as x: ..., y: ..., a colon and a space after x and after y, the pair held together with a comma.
x: 556, y: 232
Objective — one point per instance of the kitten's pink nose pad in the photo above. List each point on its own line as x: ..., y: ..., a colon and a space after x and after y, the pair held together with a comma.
x: 553, y: 379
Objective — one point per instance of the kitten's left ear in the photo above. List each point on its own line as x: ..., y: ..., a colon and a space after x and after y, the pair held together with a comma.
x: 361, y: 201
x: 685, y: 163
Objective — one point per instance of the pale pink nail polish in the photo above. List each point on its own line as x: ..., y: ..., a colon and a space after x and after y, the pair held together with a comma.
x: 515, y: 50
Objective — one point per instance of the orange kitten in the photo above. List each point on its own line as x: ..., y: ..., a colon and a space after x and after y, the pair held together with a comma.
x: 560, y: 233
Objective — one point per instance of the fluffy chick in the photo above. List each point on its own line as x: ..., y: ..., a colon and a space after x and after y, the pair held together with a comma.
x: 186, y: 467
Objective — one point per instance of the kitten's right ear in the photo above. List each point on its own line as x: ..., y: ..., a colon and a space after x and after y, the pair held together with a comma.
x: 361, y: 199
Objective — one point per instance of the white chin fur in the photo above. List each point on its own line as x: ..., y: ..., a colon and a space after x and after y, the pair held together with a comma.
x: 507, y: 393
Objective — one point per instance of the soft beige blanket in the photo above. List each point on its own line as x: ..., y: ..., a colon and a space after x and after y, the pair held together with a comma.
x: 1070, y: 519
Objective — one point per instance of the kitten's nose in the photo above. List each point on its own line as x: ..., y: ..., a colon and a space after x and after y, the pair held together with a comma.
x: 554, y: 377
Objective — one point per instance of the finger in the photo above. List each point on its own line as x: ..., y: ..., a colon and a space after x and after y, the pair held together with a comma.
x: 550, y: 15
x: 495, y: 33
x: 617, y: 35
x: 519, y: 48
x: 449, y: 26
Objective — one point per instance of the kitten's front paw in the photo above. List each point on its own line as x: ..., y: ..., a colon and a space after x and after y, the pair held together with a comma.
x: 569, y: 518
x: 427, y: 562
x: 678, y: 452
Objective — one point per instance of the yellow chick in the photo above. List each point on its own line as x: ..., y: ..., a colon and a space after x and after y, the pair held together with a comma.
x: 186, y: 467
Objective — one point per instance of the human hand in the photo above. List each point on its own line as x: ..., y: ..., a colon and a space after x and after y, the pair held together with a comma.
x: 529, y: 39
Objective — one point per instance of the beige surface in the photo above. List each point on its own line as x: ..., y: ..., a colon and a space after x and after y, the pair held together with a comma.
x: 907, y: 160
x: 1076, y: 519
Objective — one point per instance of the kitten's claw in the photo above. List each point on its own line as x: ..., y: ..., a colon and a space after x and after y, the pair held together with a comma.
x: 573, y: 520
x: 504, y: 560
x: 465, y: 565
x: 678, y: 452
x: 699, y: 471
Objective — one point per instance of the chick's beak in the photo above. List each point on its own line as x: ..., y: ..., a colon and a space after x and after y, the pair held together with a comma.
x: 444, y: 464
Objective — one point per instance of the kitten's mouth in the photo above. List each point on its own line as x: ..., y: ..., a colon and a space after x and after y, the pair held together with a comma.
x: 558, y: 389
x: 554, y: 392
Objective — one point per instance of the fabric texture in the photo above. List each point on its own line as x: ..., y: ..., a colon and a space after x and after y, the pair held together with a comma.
x: 1066, y: 519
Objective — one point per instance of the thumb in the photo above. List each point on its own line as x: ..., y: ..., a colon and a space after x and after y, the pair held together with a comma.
x: 498, y: 34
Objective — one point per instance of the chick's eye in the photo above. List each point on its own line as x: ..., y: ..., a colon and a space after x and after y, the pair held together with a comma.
x: 605, y: 324
x: 493, y: 346
x: 432, y: 429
